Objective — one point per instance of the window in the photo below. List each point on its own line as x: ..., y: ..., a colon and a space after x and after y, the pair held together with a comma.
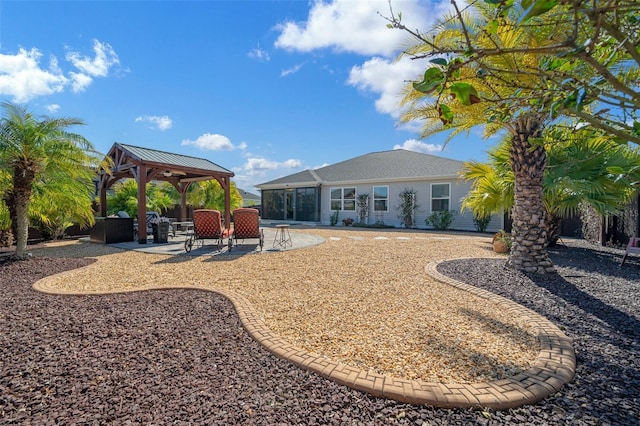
x: 380, y: 198
x: 343, y: 199
x: 440, y: 196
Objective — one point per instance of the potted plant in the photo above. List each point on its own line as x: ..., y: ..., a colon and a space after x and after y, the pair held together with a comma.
x: 347, y: 222
x: 502, y: 242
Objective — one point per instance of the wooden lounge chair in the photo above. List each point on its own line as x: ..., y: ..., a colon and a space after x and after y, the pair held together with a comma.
x: 207, y: 225
x: 632, y: 247
x: 246, y: 224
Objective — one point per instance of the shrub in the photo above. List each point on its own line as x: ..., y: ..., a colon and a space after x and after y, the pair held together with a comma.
x: 333, y: 220
x: 481, y: 222
x: 440, y: 219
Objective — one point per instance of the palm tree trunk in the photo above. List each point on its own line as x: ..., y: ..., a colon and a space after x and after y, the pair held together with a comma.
x: 552, y: 226
x: 22, y: 183
x: 528, y: 161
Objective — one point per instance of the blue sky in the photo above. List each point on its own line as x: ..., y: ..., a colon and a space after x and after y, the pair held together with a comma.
x: 263, y: 88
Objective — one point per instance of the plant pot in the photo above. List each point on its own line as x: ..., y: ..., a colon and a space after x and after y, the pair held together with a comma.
x: 500, y: 246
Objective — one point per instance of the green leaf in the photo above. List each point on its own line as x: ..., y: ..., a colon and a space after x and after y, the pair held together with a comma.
x: 537, y: 8
x: 552, y: 64
x: 615, y: 170
x: 433, y: 78
x: 446, y: 116
x: 439, y: 61
x: 492, y: 26
x: 571, y: 101
x: 465, y: 93
x: 526, y: 4
x: 552, y: 112
x: 636, y: 128
x: 493, y: 1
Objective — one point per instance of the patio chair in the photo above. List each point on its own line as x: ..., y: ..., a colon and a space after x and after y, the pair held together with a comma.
x: 207, y: 225
x: 246, y: 224
x: 632, y: 247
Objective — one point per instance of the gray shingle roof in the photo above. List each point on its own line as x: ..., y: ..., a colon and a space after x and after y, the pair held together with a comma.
x: 155, y: 156
x: 248, y: 195
x: 397, y: 164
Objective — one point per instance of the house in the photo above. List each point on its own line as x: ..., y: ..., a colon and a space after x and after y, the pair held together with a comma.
x: 249, y: 199
x: 372, y: 183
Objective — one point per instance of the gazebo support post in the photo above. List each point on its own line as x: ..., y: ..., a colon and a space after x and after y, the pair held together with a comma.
x: 184, y: 186
x: 141, y: 178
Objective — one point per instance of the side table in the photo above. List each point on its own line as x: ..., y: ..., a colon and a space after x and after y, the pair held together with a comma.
x: 282, y: 238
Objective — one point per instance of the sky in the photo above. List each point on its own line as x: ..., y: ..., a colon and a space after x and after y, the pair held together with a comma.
x: 263, y: 88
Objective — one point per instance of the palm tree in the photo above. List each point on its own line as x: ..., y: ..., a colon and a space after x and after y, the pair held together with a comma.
x: 32, y: 149
x: 210, y: 195
x: 584, y: 168
x: 458, y: 94
x: 57, y: 204
x: 160, y: 197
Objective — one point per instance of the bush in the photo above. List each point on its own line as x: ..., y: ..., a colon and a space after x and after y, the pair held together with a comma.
x: 481, y: 222
x: 440, y: 219
x: 333, y: 220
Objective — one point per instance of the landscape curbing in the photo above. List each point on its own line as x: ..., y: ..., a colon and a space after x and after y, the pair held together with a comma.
x: 553, y: 368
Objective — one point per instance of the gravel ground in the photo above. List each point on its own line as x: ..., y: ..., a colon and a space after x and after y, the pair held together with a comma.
x: 181, y: 356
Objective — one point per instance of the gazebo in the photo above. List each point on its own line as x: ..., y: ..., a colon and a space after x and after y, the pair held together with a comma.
x: 145, y: 165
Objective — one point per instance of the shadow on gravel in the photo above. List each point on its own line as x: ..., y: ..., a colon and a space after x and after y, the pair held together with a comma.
x: 591, y: 260
x: 614, y: 318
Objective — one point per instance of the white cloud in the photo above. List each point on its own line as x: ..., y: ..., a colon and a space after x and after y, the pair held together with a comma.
x: 386, y: 79
x: 213, y: 142
x: 291, y: 70
x: 80, y: 82
x: 23, y: 78
x: 258, y: 166
x: 161, y: 123
x: 52, y: 108
x: 98, y: 66
x: 259, y: 54
x: 353, y: 26
x: 418, y: 146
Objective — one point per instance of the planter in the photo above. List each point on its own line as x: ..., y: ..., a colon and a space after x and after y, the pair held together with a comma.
x: 500, y: 246
x: 160, y: 232
x: 109, y: 230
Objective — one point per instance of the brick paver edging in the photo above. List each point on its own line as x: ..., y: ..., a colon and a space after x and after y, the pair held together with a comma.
x: 554, y: 366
